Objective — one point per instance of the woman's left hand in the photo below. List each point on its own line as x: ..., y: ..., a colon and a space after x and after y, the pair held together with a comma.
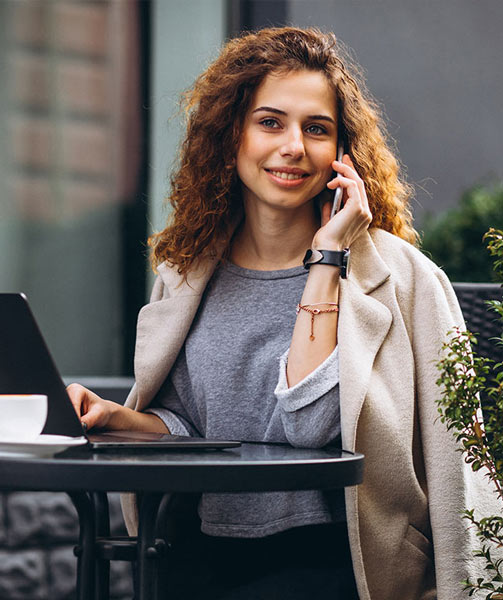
x: 344, y: 227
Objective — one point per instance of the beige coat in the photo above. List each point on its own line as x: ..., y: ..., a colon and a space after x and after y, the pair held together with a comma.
x: 395, y: 308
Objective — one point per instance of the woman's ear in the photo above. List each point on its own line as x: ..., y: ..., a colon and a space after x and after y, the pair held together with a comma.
x: 231, y: 164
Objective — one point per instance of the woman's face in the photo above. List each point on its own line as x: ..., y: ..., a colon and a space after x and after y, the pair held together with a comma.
x: 289, y: 140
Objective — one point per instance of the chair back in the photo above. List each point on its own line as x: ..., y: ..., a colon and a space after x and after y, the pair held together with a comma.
x: 479, y: 318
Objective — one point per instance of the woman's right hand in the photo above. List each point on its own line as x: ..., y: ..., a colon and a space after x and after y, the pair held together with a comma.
x: 342, y: 229
x: 92, y: 410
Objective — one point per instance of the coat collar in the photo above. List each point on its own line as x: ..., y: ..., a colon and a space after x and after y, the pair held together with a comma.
x: 195, y: 284
x: 368, y: 270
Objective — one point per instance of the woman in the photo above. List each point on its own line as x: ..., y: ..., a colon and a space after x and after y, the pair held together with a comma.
x: 222, y: 350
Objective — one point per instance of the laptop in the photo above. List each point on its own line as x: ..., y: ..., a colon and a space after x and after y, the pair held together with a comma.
x: 26, y: 367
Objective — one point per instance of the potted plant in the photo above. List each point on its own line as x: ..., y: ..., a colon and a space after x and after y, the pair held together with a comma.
x: 465, y: 379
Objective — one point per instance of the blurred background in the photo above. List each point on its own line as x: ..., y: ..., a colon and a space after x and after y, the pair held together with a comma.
x: 89, y: 129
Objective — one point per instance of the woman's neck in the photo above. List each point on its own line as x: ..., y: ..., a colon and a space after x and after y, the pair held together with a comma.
x: 273, y: 240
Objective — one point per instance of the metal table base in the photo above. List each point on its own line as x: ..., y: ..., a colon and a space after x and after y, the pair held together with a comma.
x: 96, y: 548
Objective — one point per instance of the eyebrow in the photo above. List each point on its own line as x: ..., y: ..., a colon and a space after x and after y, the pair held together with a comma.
x: 277, y: 111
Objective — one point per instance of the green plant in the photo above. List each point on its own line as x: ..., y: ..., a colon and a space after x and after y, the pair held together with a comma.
x: 453, y: 239
x: 464, y: 378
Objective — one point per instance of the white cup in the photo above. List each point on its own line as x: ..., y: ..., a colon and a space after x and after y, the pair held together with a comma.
x: 22, y: 416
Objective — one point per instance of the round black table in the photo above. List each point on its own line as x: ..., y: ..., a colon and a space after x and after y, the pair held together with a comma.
x: 86, y: 476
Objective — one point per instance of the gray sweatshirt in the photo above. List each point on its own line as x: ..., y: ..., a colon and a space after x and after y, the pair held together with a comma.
x: 229, y: 381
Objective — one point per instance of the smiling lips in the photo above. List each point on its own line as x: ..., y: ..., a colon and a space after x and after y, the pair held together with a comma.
x: 287, y: 176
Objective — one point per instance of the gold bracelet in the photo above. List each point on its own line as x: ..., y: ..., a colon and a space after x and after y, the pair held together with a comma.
x: 317, y: 311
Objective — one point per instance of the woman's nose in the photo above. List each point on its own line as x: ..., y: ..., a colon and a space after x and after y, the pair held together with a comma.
x: 293, y: 144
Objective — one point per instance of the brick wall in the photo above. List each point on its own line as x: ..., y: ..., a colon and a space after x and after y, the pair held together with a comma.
x: 61, y: 72
x: 73, y: 100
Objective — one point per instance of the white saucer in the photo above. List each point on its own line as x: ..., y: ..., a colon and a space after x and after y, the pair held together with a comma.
x: 43, y: 445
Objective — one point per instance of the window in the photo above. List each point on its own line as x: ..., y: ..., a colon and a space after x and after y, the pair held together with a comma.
x: 72, y: 182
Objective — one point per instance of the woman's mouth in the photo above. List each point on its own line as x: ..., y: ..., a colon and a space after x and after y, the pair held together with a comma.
x: 289, y: 178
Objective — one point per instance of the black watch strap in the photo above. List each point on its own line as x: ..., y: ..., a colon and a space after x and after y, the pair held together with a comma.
x: 335, y: 258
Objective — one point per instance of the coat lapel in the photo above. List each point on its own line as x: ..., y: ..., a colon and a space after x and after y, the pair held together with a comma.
x: 363, y: 324
x: 163, y: 326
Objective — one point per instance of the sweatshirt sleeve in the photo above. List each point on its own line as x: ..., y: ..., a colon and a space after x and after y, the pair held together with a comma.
x: 172, y: 422
x: 310, y: 410
x: 169, y: 408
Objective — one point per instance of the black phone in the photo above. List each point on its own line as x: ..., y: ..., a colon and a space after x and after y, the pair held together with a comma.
x: 337, y: 203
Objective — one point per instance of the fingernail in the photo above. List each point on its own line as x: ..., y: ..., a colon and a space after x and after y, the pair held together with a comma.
x: 84, y: 426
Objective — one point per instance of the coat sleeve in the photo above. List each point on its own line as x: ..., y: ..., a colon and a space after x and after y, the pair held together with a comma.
x: 129, y: 502
x: 452, y: 486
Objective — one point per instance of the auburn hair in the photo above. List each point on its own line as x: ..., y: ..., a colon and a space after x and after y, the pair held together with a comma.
x: 205, y: 189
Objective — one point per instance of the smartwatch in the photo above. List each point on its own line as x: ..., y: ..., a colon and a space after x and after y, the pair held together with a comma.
x: 336, y: 258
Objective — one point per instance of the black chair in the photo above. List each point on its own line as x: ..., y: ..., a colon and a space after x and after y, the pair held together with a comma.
x: 479, y: 318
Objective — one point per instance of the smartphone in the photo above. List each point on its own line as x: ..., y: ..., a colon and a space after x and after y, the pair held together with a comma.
x: 337, y: 203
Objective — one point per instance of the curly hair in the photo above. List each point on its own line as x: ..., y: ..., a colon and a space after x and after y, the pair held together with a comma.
x: 205, y: 189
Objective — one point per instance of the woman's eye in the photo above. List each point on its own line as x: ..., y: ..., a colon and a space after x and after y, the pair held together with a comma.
x: 316, y: 129
x: 269, y: 123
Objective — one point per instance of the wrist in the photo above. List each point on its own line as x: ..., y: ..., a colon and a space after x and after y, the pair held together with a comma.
x: 322, y: 285
x: 326, y: 272
x: 331, y: 244
x: 114, y: 415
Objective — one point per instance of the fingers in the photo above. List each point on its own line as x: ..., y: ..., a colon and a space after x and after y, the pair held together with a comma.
x: 347, y: 224
x: 77, y: 394
x: 349, y: 179
x: 90, y: 408
x: 353, y: 191
x: 344, y: 167
x: 346, y: 170
x: 94, y: 417
x: 350, y: 185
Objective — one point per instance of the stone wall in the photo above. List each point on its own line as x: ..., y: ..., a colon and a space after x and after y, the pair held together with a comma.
x: 38, y: 532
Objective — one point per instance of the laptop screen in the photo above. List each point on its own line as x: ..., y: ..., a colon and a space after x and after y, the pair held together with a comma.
x: 26, y: 366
